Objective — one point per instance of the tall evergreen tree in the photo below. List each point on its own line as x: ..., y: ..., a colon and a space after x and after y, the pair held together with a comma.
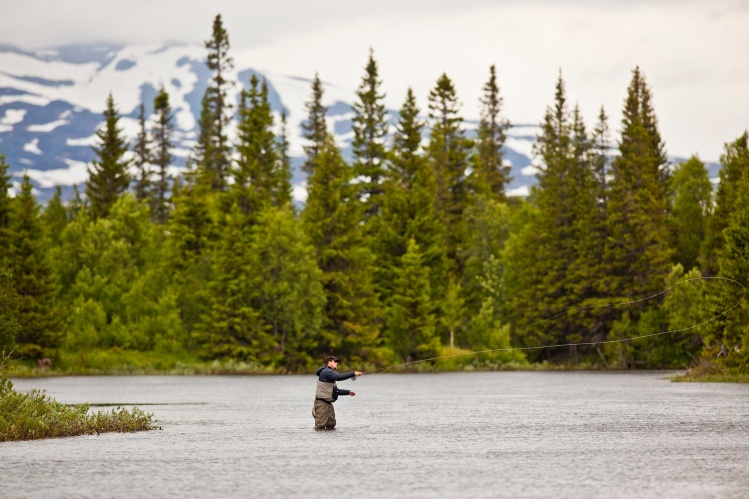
x: 448, y: 151
x: 5, y: 205
x: 411, y: 322
x: 231, y: 327
x: 39, y: 317
x: 213, y: 151
x: 108, y: 176
x: 370, y: 129
x: 55, y: 218
x: 490, y: 175
x: 561, y: 194
x: 692, y: 199
x: 734, y: 162
x: 315, y: 128
x: 637, y: 254
x: 287, y: 289
x: 142, y: 158
x: 8, y: 311
x: 727, y: 338
x: 331, y: 217
x: 162, y: 159
x: 193, y: 233
x: 261, y: 178
x: 408, y: 209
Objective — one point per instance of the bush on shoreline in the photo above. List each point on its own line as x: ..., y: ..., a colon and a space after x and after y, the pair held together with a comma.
x: 35, y: 415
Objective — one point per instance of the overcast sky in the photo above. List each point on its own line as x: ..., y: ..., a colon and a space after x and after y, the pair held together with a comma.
x: 693, y: 53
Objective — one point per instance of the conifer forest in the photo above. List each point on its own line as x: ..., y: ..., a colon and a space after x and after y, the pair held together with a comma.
x: 411, y: 250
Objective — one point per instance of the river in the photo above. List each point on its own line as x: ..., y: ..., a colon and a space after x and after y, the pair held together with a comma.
x: 490, y: 434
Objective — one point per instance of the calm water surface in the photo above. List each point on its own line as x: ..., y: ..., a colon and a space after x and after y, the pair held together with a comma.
x: 502, y: 434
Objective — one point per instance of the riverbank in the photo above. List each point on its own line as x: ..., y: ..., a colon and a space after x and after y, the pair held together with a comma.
x: 35, y: 415
x: 117, y: 362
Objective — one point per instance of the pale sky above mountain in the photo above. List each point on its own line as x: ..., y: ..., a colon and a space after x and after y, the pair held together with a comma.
x: 693, y: 53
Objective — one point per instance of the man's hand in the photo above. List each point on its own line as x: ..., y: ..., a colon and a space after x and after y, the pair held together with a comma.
x: 352, y: 393
x: 358, y: 373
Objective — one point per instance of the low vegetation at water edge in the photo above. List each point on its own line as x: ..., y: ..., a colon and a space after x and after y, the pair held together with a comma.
x: 35, y: 415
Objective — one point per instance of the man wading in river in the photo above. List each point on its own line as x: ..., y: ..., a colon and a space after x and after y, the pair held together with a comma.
x: 327, y: 393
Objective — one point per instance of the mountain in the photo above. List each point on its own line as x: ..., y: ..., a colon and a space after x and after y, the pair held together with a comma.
x: 51, y: 102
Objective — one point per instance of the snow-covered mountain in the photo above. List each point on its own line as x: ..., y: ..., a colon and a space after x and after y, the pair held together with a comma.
x: 51, y: 102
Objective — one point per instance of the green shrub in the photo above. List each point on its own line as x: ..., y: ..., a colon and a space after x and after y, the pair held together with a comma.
x: 35, y: 415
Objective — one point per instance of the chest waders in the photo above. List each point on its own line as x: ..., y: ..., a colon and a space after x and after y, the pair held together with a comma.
x: 322, y: 410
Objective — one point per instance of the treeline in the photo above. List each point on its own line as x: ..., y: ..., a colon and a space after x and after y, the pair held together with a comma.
x: 410, y: 250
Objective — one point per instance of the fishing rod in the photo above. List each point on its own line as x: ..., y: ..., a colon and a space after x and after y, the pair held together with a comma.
x: 587, y: 343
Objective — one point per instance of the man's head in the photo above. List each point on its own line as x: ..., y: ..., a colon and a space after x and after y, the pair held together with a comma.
x: 331, y: 361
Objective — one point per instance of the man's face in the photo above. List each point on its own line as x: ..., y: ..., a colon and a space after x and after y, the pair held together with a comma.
x: 333, y: 364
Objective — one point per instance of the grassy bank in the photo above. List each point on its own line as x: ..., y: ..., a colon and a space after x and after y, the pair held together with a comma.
x: 34, y: 415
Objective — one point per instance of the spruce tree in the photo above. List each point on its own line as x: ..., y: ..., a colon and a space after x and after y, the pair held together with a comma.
x: 5, y: 205
x: 142, y: 158
x: 448, y: 152
x: 637, y: 254
x: 408, y: 209
x: 315, y: 128
x: 162, y: 158
x: 370, y: 129
x: 692, y: 199
x: 332, y: 220
x: 286, y: 288
x: 55, y: 218
x: 560, y: 196
x: 193, y: 233
x: 726, y: 340
x: 8, y: 312
x: 108, y: 175
x: 231, y: 327
x: 734, y: 162
x: 213, y: 151
x: 261, y: 178
x: 40, y: 319
x: 490, y: 175
x: 411, y: 322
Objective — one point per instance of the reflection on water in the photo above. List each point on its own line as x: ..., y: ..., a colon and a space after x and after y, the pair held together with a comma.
x: 441, y: 435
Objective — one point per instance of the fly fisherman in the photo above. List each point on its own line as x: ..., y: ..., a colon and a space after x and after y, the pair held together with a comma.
x: 327, y: 393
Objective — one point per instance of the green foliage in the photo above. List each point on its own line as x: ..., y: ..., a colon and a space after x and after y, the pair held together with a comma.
x: 230, y: 326
x: 449, y: 153
x: 490, y: 175
x: 370, y: 128
x: 408, y: 210
x: 420, y: 243
x: 411, y: 321
x: 142, y: 157
x: 108, y: 176
x: 331, y: 219
x: 637, y: 254
x: 8, y: 312
x: 728, y: 338
x: 212, y: 156
x: 287, y: 288
x: 261, y: 178
x: 734, y: 164
x: 39, y: 316
x: 35, y: 415
x: 162, y: 157
x: 315, y: 128
x: 692, y: 199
